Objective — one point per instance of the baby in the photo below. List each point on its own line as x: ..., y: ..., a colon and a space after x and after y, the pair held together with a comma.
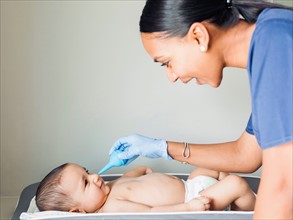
x: 70, y: 187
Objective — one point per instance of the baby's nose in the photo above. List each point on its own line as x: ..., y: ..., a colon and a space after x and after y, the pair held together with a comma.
x: 95, y: 177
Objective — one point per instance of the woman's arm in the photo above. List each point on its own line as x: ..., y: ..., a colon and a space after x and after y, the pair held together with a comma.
x: 139, y: 171
x: 275, y: 194
x: 243, y: 155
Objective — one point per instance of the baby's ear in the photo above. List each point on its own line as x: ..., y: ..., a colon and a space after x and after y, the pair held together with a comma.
x: 76, y: 209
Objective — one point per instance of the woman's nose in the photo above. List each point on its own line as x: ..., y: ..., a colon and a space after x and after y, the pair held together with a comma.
x: 172, y: 76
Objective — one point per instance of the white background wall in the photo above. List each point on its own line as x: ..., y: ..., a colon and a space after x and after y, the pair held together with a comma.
x: 75, y: 77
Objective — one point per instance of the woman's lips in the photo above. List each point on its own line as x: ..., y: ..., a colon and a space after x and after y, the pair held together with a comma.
x: 196, y: 81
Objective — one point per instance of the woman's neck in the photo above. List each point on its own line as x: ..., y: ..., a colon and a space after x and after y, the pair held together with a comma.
x: 234, y: 43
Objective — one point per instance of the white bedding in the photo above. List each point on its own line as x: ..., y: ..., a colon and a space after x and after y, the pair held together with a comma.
x: 34, y: 213
x: 140, y: 215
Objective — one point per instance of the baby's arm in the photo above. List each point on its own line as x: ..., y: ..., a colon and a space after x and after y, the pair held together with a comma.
x: 120, y: 205
x: 139, y: 171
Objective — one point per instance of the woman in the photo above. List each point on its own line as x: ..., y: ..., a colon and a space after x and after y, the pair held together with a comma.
x: 195, y: 40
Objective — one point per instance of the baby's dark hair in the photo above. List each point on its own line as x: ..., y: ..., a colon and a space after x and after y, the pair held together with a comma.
x: 50, y: 196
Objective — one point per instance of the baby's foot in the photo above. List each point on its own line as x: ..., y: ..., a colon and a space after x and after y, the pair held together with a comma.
x: 201, y: 203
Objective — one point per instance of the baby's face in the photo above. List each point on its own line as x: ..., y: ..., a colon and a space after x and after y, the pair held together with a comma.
x: 87, y: 190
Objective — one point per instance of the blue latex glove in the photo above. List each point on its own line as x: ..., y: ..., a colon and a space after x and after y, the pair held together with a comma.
x: 136, y: 145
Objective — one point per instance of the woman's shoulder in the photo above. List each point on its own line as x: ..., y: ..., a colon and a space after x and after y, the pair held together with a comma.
x: 275, y: 14
x: 274, y: 20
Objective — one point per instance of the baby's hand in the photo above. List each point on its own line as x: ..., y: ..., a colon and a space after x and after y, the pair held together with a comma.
x: 201, y: 203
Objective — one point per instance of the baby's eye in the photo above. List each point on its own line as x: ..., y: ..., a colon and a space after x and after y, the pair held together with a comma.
x: 85, y: 182
x: 86, y: 170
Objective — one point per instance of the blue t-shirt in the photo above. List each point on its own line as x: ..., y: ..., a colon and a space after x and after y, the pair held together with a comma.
x: 270, y: 69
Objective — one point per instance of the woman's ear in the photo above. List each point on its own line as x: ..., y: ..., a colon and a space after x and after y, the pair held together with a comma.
x: 76, y: 209
x: 199, y: 32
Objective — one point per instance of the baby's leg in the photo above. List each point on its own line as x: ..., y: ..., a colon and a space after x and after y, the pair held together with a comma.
x: 232, y: 190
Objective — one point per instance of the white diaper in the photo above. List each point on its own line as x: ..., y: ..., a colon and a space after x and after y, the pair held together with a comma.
x: 196, y: 185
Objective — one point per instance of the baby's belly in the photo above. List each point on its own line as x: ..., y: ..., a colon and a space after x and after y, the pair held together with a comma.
x: 154, y: 189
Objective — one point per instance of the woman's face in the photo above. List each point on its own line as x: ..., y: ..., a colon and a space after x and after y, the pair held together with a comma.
x: 183, y: 59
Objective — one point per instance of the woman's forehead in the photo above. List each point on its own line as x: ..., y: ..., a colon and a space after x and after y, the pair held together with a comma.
x: 158, y: 46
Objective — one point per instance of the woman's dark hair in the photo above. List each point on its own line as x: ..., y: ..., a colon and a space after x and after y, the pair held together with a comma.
x: 174, y: 17
x: 49, y: 194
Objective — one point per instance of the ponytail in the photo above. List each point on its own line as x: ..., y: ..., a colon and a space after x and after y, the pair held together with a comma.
x: 174, y: 17
x: 250, y: 10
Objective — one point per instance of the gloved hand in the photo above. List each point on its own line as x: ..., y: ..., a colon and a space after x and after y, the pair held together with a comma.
x: 136, y: 145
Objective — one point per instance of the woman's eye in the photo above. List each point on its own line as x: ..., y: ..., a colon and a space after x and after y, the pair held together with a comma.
x: 165, y: 64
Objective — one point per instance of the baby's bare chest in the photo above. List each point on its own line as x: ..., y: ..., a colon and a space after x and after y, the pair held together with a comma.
x: 151, y: 189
